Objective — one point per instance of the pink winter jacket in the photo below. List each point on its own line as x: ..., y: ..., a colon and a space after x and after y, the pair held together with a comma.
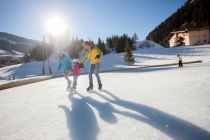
x: 76, y: 70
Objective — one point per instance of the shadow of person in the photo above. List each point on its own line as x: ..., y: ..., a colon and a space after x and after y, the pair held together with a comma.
x: 105, y: 110
x: 170, y: 125
x: 81, y: 119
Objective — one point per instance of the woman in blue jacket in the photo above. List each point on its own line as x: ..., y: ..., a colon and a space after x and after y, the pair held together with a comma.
x: 65, y: 63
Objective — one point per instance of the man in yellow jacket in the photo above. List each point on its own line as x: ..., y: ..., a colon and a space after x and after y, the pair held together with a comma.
x: 94, y: 54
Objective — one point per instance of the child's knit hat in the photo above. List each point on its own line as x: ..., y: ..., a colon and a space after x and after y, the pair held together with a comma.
x: 76, y: 61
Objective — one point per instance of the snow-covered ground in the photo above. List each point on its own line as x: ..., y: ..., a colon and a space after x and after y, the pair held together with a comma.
x: 151, y: 56
x: 146, y: 104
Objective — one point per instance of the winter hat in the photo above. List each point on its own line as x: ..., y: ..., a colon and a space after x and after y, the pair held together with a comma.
x: 60, y: 53
x: 76, y: 60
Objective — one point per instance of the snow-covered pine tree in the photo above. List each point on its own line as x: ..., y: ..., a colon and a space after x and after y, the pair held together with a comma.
x: 128, y: 57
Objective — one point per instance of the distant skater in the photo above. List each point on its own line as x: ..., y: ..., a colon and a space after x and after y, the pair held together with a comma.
x: 65, y: 62
x: 180, y: 60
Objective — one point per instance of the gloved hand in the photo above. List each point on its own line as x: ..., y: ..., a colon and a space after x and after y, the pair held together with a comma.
x: 81, y: 65
x: 98, y: 56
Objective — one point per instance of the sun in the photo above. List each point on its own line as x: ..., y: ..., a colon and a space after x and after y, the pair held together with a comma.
x: 56, y: 25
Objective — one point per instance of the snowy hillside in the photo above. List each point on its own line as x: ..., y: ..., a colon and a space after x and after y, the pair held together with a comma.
x: 165, y: 103
x: 146, y: 44
x: 143, y: 57
x: 4, y: 53
x: 10, y: 44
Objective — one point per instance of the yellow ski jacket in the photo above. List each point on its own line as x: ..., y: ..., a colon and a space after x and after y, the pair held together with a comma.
x: 91, y: 54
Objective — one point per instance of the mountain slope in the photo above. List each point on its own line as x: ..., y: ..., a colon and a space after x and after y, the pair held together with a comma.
x: 9, y: 42
x: 193, y: 14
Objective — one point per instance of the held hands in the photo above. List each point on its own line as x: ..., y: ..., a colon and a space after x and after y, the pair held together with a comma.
x: 81, y: 65
x: 97, y: 56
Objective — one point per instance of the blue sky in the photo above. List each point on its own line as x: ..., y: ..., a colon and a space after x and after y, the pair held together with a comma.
x: 87, y: 19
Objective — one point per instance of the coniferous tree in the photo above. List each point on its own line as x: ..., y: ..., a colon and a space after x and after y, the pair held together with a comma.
x: 27, y: 57
x: 128, y: 56
x: 117, y: 43
x: 101, y: 46
x: 110, y: 43
x: 135, y: 37
x: 41, y: 52
x: 74, y: 48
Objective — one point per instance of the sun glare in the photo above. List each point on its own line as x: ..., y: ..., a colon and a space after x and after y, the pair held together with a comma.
x: 56, y: 26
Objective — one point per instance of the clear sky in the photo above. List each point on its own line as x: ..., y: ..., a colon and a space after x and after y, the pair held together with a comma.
x: 87, y: 19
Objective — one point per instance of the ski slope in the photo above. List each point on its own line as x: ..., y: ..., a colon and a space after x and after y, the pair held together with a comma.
x: 162, y: 103
x: 143, y: 57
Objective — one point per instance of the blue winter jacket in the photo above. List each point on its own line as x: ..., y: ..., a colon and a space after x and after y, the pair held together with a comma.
x: 66, y: 63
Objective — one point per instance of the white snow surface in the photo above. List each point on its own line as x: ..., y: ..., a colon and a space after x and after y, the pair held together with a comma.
x: 2, y: 51
x: 143, y: 57
x: 162, y: 103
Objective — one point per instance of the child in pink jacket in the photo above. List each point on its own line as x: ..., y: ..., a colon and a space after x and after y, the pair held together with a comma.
x: 76, y: 72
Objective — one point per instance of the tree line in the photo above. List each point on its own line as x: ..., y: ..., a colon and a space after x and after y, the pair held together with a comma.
x: 115, y: 43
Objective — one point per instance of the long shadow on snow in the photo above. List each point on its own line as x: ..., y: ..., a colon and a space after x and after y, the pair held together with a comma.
x: 105, y: 110
x: 81, y: 120
x: 173, y: 126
